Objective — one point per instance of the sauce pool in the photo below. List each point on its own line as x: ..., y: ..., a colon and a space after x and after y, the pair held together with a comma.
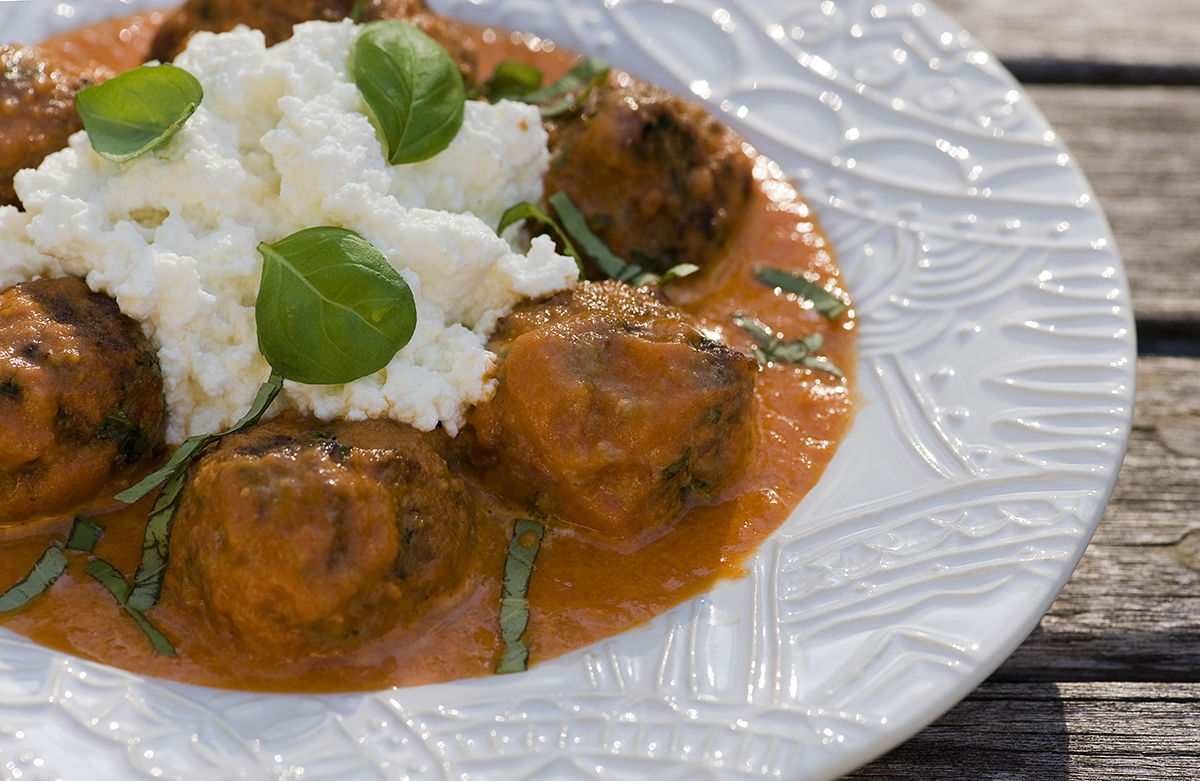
x: 581, y: 591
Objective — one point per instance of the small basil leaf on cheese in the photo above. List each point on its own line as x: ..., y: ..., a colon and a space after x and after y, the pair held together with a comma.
x: 137, y: 111
x: 330, y: 307
x: 412, y: 87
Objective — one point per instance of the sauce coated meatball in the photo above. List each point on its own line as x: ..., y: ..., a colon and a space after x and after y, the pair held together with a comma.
x: 80, y: 395
x: 611, y: 408
x: 37, y: 109
x: 302, y: 537
x: 276, y: 18
x: 657, y: 178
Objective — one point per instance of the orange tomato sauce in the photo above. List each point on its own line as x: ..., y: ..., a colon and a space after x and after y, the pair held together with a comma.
x: 581, y: 591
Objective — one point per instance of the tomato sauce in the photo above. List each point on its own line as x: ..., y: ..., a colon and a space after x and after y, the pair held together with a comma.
x: 581, y: 591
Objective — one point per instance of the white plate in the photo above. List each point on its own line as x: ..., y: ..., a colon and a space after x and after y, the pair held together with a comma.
x: 996, y: 374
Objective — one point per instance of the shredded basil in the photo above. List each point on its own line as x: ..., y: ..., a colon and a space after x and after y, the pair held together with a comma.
x: 85, y: 533
x: 520, y: 82
x: 571, y: 89
x: 192, y: 446
x: 510, y: 81
x: 109, y: 577
x: 822, y: 300
x: 131, y: 442
x: 45, y: 571
x: 768, y: 348
x: 524, y: 211
x: 514, y: 594
x: 412, y: 87
x: 147, y: 581
x: 330, y: 307
x: 137, y: 111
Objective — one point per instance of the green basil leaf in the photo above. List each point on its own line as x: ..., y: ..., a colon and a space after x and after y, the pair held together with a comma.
x: 330, y: 307
x: 114, y: 581
x: 137, y: 111
x: 587, y: 73
x: 510, y: 81
x: 610, y: 264
x: 526, y: 210
x: 85, y: 533
x: 514, y: 593
x: 156, y: 540
x: 45, y: 571
x: 676, y: 272
x: 769, y: 348
x: 413, y: 88
x: 822, y: 300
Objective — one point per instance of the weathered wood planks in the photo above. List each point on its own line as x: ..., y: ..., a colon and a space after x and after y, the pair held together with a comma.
x: 1150, y: 32
x: 1140, y: 149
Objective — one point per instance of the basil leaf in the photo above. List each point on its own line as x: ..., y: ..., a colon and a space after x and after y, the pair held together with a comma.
x: 514, y: 593
x: 330, y: 307
x: 587, y: 73
x: 609, y: 263
x: 156, y: 540
x: 114, y: 581
x: 526, y: 210
x: 768, y: 348
x: 822, y: 300
x: 676, y: 272
x: 413, y: 88
x: 156, y: 543
x: 137, y: 111
x: 192, y: 446
x: 85, y: 533
x: 511, y: 80
x: 45, y: 571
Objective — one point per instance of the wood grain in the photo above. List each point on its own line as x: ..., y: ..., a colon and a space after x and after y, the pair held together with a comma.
x: 1155, y: 32
x: 1140, y: 149
x: 1056, y: 732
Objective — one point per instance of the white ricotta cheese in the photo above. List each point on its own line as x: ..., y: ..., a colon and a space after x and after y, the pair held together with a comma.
x: 280, y: 143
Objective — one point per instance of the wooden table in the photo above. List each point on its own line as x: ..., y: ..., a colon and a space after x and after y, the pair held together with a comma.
x: 1108, y: 686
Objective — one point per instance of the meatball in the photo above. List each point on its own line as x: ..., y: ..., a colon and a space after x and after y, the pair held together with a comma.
x: 277, y: 17
x: 610, y: 409
x: 80, y: 395
x: 37, y: 109
x: 302, y: 537
x: 657, y: 179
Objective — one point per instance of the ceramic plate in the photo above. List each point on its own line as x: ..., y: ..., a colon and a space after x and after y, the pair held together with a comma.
x: 996, y: 377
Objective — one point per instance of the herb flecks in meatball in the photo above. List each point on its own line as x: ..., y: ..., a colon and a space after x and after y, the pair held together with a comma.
x: 80, y: 395
x: 303, y: 537
x: 276, y: 18
x: 37, y: 109
x: 612, y: 410
x: 657, y: 178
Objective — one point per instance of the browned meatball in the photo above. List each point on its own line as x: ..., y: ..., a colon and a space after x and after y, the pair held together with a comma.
x: 276, y: 18
x: 80, y: 395
x: 611, y: 407
x: 302, y: 536
x: 37, y: 109
x: 659, y: 180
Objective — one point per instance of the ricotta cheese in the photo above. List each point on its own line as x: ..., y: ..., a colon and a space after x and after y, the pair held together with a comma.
x: 282, y: 142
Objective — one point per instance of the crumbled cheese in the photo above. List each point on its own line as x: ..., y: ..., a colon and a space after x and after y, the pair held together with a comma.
x: 280, y: 143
